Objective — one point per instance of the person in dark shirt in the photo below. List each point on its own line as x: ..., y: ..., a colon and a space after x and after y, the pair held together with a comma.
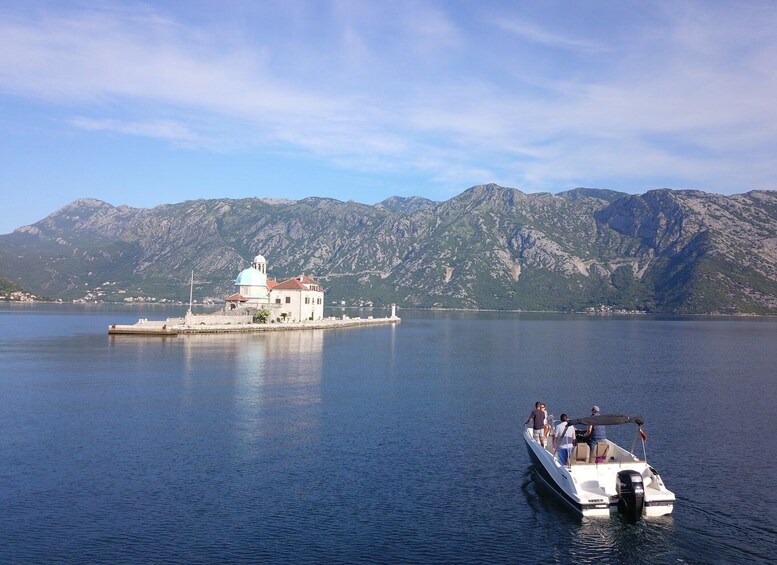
x: 537, y: 418
x: 595, y: 434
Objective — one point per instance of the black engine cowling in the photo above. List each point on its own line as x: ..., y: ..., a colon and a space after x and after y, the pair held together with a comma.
x: 631, y: 495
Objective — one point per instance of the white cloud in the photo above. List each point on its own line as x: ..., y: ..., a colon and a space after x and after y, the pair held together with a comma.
x: 95, y: 57
x: 164, y: 129
x: 536, y: 34
x: 685, y: 95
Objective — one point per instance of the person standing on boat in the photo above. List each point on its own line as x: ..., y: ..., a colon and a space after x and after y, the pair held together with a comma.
x: 595, y: 434
x: 537, y: 418
x: 563, y: 438
x: 548, y: 420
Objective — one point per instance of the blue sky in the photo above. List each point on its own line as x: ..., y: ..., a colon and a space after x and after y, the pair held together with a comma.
x: 156, y: 102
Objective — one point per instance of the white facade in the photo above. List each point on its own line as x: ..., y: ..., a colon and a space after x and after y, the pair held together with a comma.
x: 293, y: 300
x: 299, y: 299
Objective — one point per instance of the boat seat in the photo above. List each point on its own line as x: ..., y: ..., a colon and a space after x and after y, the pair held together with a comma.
x: 580, y: 453
x: 601, y: 450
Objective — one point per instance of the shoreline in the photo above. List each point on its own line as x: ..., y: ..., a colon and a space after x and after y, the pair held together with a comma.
x: 420, y: 308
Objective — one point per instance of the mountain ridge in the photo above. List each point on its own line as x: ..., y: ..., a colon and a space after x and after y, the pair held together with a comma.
x: 487, y: 247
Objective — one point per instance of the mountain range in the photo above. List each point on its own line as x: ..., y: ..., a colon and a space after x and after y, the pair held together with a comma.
x: 490, y: 247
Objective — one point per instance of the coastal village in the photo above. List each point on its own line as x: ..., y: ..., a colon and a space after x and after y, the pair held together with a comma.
x: 258, y: 304
x: 18, y: 296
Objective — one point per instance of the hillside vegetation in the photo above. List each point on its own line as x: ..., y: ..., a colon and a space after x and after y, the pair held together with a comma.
x: 489, y: 247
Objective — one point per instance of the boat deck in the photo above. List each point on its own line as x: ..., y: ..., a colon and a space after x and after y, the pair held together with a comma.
x: 593, y: 481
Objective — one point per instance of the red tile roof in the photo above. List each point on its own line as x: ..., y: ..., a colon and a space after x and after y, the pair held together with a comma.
x: 291, y: 284
x: 237, y: 297
x: 271, y: 283
x: 307, y: 280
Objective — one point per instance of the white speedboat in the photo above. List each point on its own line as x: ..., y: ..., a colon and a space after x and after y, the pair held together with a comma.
x: 606, y: 482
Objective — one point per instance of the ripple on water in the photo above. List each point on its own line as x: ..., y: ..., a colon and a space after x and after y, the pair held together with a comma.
x: 382, y: 445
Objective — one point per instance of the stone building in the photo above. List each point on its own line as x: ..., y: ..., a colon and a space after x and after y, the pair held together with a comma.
x: 295, y: 300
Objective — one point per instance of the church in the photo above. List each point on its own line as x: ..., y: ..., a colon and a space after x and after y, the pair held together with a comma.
x: 293, y: 300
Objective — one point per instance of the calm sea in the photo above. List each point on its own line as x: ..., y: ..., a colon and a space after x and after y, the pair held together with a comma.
x: 386, y: 445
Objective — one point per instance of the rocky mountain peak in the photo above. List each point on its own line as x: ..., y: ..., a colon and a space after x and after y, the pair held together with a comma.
x: 489, y: 247
x: 406, y: 205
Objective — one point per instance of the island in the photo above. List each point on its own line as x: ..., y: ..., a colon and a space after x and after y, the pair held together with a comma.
x: 258, y: 305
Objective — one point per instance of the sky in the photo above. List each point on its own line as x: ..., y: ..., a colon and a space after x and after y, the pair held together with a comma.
x: 145, y: 103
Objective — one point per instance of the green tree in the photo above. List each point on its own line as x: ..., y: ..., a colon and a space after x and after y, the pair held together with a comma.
x: 261, y: 316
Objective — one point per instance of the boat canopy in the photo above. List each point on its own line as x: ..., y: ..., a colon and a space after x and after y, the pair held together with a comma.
x: 607, y: 420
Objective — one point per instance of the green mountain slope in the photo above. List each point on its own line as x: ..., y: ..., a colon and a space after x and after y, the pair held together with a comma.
x: 489, y: 247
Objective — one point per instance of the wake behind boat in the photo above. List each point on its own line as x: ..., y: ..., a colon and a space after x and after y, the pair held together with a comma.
x: 605, y: 482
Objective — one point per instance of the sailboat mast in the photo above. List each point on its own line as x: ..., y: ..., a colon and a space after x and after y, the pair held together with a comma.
x: 191, y: 291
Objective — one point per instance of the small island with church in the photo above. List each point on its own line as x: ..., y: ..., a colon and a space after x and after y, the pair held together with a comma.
x: 258, y: 304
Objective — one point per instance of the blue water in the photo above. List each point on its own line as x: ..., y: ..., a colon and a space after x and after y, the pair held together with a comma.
x: 384, y: 444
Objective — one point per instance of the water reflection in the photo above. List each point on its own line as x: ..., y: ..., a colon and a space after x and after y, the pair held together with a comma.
x: 277, y: 359
x: 276, y: 379
x: 576, y: 539
x: 138, y: 347
x: 292, y: 378
x: 256, y: 374
x: 386, y: 444
x: 295, y: 356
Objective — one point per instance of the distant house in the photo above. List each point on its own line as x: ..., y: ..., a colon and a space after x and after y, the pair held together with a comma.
x: 296, y: 299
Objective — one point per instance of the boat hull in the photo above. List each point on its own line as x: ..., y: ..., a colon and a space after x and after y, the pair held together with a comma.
x: 552, y: 477
x: 590, y: 488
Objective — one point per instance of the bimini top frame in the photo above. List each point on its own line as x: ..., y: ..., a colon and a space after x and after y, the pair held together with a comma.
x: 607, y: 420
x: 615, y: 420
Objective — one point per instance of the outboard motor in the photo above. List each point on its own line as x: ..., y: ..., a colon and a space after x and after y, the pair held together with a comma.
x: 631, y: 495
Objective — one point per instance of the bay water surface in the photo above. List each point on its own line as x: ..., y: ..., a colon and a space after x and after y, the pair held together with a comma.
x: 389, y: 444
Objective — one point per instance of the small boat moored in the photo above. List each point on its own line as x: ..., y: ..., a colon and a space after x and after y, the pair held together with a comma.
x: 611, y: 480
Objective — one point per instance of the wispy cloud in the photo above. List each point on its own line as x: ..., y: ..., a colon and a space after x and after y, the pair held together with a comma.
x: 537, y: 34
x: 163, y: 129
x: 99, y: 57
x: 416, y: 89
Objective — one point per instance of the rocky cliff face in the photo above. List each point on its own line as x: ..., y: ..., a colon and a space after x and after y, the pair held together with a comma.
x: 489, y: 247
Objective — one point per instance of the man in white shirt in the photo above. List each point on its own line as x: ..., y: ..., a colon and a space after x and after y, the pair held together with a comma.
x: 563, y: 438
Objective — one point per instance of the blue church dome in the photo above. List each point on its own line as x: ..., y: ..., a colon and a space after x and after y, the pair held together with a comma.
x: 251, y: 277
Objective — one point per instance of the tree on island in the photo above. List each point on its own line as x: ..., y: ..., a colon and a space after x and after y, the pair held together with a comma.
x: 262, y: 316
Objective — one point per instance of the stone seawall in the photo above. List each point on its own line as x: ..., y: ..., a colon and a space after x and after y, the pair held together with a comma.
x: 216, y: 319
x: 290, y: 326
x: 164, y: 328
